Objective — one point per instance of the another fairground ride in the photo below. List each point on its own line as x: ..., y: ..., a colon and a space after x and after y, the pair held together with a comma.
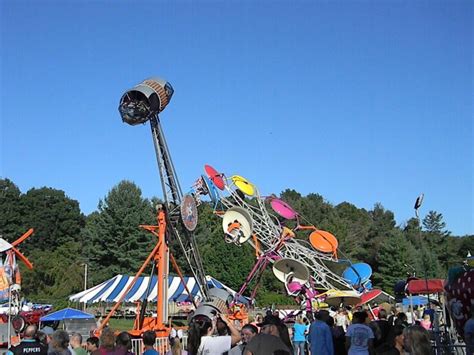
x: 310, y: 267
x: 14, y: 315
x: 305, y: 258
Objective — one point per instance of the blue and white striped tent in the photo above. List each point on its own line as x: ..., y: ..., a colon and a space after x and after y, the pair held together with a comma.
x: 111, y: 290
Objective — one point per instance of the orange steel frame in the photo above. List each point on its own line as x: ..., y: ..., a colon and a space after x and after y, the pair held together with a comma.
x: 160, y: 256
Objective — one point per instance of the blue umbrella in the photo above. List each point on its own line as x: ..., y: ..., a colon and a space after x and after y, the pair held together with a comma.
x: 66, y: 313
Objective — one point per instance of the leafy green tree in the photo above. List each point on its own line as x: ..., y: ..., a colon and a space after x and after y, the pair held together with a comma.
x: 381, y: 228
x: 110, y: 241
x: 466, y: 246
x: 11, y: 226
x: 353, y: 225
x: 427, y: 260
x: 55, y: 218
x: 429, y: 263
x: 56, y: 274
x: 395, y: 258
x: 452, y: 257
x: 292, y: 197
x: 113, y: 241
x: 412, y: 232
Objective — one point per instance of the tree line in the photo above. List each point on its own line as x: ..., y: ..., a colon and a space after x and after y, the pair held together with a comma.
x: 110, y: 242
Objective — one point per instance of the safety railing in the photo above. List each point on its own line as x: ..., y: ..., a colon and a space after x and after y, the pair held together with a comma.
x: 162, y: 345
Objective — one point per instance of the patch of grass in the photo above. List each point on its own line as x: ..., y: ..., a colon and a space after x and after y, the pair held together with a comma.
x: 121, y: 324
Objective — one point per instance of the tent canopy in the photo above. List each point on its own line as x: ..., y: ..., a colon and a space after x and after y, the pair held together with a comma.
x: 425, y: 286
x: 66, y: 313
x: 113, y: 289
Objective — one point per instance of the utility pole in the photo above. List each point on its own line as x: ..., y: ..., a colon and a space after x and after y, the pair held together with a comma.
x: 85, y: 281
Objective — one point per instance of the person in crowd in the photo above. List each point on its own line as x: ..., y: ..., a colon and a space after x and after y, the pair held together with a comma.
x: 299, y: 336
x: 29, y: 344
x: 469, y: 333
x: 201, y: 339
x: 416, y: 340
x: 48, y: 331
x: 76, y: 343
x: 307, y: 324
x: 383, y: 326
x: 59, y: 343
x: 341, y: 319
x: 359, y: 336
x: 430, y: 311
x: 247, y: 333
x: 92, y: 344
x: 394, y: 343
x: 258, y: 319
x: 375, y: 329
x: 410, y: 316
x: 320, y: 335
x: 283, y: 332
x: 269, y: 340
x: 149, y: 339
x: 426, y: 322
x: 393, y: 315
x: 99, y: 321
x: 222, y: 327
x: 107, y: 342
x: 123, y: 343
x: 177, y: 348
x: 42, y: 338
x: 176, y: 345
x: 401, y: 319
x: 338, y: 337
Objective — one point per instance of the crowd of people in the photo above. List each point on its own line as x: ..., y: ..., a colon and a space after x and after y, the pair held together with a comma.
x: 320, y: 333
x: 59, y: 342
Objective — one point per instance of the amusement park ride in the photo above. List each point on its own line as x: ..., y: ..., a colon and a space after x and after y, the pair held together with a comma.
x: 303, y: 257
x: 10, y: 288
x: 305, y: 264
x: 177, y: 217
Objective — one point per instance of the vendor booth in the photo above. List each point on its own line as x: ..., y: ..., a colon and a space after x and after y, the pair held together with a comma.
x: 72, y: 320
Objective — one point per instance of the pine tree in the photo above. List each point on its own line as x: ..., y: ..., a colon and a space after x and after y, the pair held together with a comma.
x: 114, y: 242
x: 396, y: 258
x: 11, y: 222
x: 434, y: 224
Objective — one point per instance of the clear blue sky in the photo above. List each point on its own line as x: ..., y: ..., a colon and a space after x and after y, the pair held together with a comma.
x: 359, y: 101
